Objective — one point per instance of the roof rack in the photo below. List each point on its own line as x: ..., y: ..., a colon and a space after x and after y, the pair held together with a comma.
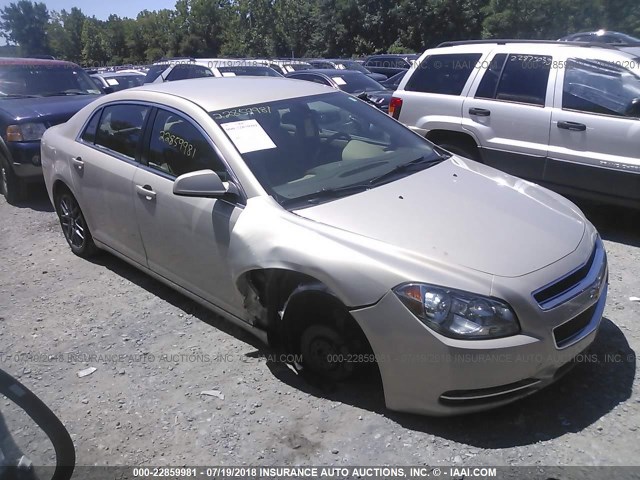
x: 501, y: 41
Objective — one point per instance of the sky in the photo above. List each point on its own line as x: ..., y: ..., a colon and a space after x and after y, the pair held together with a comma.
x: 102, y: 9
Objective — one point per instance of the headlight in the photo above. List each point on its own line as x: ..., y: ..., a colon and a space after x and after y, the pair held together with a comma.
x: 25, y: 132
x: 458, y: 314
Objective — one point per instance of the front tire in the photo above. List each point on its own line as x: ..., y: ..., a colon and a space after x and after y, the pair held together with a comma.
x: 11, y: 185
x: 326, y: 353
x: 74, y: 225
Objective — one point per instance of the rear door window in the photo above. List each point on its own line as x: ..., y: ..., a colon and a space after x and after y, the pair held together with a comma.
x: 120, y: 128
x: 524, y: 79
x: 89, y: 134
x: 491, y: 78
x: 443, y: 74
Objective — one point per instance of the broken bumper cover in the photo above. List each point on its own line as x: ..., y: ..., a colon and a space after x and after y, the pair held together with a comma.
x: 424, y: 372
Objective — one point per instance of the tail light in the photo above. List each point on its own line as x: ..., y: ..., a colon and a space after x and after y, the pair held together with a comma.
x: 395, y: 105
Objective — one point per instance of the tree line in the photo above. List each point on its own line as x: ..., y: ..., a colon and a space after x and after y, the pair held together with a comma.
x: 298, y: 28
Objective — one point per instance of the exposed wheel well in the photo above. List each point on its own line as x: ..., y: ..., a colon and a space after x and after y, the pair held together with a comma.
x: 292, y: 301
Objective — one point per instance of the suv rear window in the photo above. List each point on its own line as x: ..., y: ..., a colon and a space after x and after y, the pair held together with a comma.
x: 444, y: 74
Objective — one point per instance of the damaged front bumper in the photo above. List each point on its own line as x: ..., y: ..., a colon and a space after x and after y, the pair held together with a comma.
x: 426, y: 373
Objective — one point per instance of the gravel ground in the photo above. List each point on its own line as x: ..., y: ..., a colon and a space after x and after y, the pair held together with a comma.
x: 155, y: 351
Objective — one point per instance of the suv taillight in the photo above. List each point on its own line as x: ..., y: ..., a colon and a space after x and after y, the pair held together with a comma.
x: 395, y: 105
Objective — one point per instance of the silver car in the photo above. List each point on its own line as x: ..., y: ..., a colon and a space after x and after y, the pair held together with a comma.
x: 329, y: 229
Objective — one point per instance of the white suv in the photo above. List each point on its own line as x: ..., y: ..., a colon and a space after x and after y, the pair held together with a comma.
x: 566, y: 115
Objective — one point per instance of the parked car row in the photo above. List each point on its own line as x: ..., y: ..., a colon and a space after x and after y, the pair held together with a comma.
x: 324, y: 226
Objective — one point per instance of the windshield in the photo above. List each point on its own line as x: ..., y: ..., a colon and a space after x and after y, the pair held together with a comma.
x: 253, y: 71
x: 355, y: 66
x: 122, y: 82
x: 356, y: 83
x: 297, y: 66
x: 317, y: 148
x: 44, y: 80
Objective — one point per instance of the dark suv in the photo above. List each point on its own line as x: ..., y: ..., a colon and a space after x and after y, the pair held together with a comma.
x: 35, y: 94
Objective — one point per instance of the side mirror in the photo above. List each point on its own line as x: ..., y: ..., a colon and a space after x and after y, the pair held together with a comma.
x: 203, y: 183
x: 108, y: 90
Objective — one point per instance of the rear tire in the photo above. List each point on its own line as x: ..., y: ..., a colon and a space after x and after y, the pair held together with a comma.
x: 11, y: 186
x: 74, y: 226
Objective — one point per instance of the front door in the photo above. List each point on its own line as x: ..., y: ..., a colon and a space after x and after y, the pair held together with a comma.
x: 595, y: 131
x: 186, y: 239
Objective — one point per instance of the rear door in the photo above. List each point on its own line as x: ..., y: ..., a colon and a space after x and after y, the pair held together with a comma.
x: 103, y: 167
x: 508, y: 111
x: 595, y: 130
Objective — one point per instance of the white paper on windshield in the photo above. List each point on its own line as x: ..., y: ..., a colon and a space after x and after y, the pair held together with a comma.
x: 112, y: 81
x: 228, y: 74
x: 339, y: 81
x: 248, y: 136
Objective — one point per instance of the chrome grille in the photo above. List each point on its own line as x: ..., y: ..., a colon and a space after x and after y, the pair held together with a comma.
x: 575, y: 282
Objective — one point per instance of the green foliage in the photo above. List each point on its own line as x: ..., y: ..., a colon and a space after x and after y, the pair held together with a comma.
x: 25, y: 23
x: 298, y: 28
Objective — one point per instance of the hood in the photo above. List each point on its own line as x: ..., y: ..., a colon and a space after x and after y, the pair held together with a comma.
x: 49, y: 110
x: 462, y: 213
x: 632, y: 49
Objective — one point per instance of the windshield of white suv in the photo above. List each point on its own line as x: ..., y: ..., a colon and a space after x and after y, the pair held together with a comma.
x: 314, y: 149
x: 44, y: 81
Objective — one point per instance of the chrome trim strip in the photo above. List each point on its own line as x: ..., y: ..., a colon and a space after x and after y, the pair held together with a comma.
x: 490, y: 395
x: 587, y: 282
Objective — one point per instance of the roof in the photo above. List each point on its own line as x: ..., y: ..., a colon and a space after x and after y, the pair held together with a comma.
x: 217, y: 93
x: 36, y: 61
x: 120, y: 74
x: 534, y: 47
x: 330, y: 72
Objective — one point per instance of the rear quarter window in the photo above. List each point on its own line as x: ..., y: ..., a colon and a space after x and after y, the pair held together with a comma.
x: 443, y: 74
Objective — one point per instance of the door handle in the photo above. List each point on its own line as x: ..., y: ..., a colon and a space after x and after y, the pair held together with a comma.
x: 480, y: 112
x: 573, y: 126
x: 78, y: 163
x: 146, y: 192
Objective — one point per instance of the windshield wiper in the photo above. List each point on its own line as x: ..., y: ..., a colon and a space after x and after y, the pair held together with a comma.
x: 325, y: 193
x: 336, y: 192
x: 69, y: 92
x: 17, y: 95
x: 422, y: 161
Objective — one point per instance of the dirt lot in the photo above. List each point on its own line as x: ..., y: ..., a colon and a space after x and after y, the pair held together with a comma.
x: 155, y: 351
